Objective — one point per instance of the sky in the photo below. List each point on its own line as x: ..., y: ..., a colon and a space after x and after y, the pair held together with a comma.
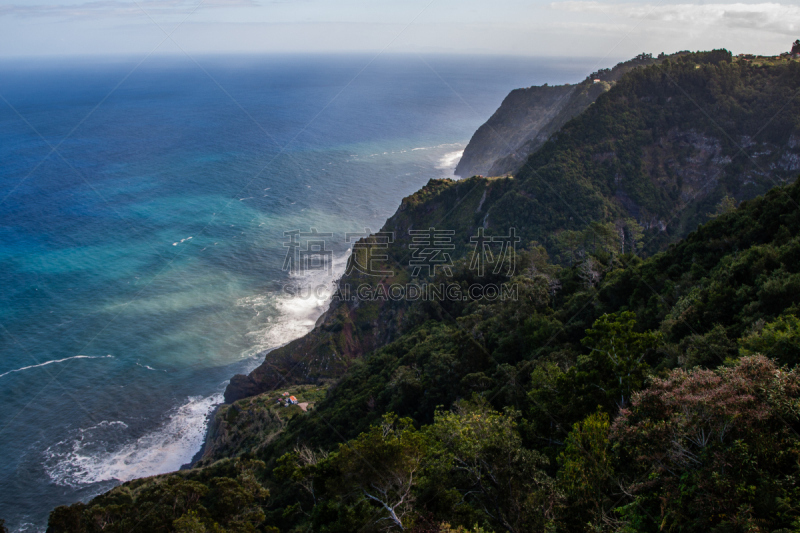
x: 508, y: 27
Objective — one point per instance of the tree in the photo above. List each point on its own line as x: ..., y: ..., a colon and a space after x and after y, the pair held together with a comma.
x: 571, y: 243
x: 236, y: 502
x: 725, y: 206
x: 616, y: 364
x: 590, y: 271
x: 605, y: 235
x: 713, y: 450
x: 383, y: 466
x: 586, y: 467
x: 482, y: 453
x: 189, y: 523
x: 779, y: 339
x: 301, y: 467
x: 709, y: 350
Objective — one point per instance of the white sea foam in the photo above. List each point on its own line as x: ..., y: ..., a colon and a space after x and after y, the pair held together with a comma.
x: 436, y: 146
x: 449, y: 161
x: 56, y: 361
x: 87, y: 457
x: 293, y: 315
x: 148, y: 367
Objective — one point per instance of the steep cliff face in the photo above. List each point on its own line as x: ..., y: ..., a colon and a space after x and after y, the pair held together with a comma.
x: 656, y: 152
x: 523, y: 116
x: 353, y: 326
x: 528, y: 117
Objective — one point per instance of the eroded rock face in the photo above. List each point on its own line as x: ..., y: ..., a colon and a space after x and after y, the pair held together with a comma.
x: 524, y: 116
x: 528, y: 117
x: 351, y: 328
x: 242, y: 386
x: 645, y: 150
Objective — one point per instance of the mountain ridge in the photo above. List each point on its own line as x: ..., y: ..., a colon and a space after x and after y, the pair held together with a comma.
x: 629, y: 170
x: 528, y: 117
x: 647, y: 309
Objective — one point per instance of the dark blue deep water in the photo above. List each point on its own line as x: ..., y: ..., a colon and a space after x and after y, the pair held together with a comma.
x: 142, y: 211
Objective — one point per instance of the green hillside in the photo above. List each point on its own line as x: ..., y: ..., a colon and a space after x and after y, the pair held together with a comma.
x: 666, y: 148
x: 639, y: 377
x: 639, y: 403
x: 662, y: 147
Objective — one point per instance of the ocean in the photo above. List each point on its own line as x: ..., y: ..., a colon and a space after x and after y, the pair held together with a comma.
x: 143, y: 206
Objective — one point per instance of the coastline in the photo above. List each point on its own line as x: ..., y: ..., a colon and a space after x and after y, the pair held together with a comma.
x: 152, y: 407
x: 260, y: 358
x: 207, y: 435
x: 447, y: 165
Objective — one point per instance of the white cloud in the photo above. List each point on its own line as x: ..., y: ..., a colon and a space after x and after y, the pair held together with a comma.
x: 770, y: 17
x: 604, y: 28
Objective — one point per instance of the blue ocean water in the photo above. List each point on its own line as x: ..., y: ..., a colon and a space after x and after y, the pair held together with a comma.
x: 142, y: 211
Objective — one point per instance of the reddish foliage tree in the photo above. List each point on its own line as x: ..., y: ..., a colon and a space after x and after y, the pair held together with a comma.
x: 714, y: 448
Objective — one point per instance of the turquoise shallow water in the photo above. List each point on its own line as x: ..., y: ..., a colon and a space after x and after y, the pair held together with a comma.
x: 140, y: 262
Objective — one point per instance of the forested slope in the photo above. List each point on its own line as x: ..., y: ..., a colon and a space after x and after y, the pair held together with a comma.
x: 639, y: 377
x: 653, y: 397
x: 651, y: 159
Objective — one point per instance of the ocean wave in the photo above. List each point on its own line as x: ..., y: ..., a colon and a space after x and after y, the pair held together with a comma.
x: 56, y: 361
x: 148, y: 367
x: 407, y: 150
x: 88, y: 456
x: 93, y: 454
x: 445, y: 145
x: 292, y: 316
x: 182, y: 240
x: 449, y: 160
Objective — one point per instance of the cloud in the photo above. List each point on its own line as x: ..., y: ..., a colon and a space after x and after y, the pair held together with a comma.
x: 770, y: 17
x: 118, y: 8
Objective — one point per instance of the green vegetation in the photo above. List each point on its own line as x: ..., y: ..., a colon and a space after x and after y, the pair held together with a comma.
x: 663, y: 146
x: 226, y: 498
x: 618, y: 392
x: 248, y: 425
x: 650, y: 399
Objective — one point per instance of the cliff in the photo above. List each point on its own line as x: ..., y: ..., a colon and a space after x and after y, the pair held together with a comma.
x: 351, y: 328
x: 528, y: 117
x: 643, y: 166
x: 643, y: 298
